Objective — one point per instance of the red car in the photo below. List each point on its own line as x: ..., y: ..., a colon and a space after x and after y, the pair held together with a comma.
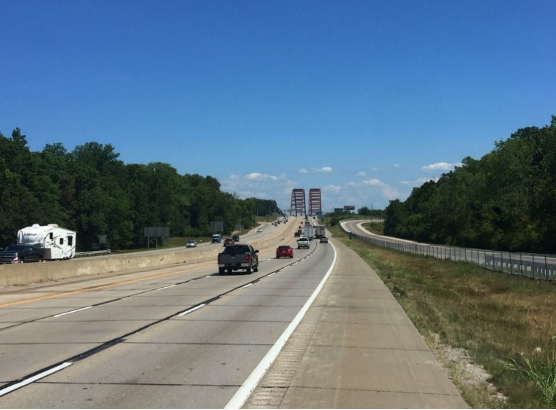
x: 284, y: 250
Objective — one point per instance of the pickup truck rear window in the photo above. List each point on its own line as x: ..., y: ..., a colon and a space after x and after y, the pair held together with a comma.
x: 237, y: 249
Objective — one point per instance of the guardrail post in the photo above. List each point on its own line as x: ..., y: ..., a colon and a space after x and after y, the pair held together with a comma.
x: 545, y: 267
x: 511, y: 265
x: 533, y: 267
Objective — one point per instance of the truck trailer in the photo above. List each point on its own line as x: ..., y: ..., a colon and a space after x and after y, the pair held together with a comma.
x: 309, y: 232
x: 320, y: 231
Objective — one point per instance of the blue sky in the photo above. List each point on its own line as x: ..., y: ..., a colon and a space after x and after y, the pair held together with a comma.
x: 363, y: 99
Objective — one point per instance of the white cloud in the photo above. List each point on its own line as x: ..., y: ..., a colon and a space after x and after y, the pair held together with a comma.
x: 441, y: 166
x: 261, y: 177
x: 390, y: 193
x: 365, y: 188
x: 361, y: 174
x: 374, y: 182
x: 396, y: 165
x: 315, y: 170
x: 405, y: 182
x: 259, y: 185
x: 332, y: 188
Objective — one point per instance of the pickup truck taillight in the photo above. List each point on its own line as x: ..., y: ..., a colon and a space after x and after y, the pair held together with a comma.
x: 219, y: 256
x: 247, y: 257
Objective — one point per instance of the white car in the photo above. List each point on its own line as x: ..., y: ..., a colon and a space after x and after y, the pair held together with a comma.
x: 303, y: 242
x: 191, y: 244
x: 260, y: 230
x: 323, y: 239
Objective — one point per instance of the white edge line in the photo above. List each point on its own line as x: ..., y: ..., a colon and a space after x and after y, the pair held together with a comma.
x: 246, y: 286
x: 192, y: 309
x: 73, y: 311
x: 256, y: 375
x: 34, y: 378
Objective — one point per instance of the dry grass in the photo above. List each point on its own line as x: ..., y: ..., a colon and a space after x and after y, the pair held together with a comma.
x: 494, y: 316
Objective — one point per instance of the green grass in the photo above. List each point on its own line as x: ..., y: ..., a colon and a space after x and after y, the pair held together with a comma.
x: 499, y: 319
x: 375, y: 227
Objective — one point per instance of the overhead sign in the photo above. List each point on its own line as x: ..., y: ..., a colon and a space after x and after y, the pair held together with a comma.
x: 349, y: 207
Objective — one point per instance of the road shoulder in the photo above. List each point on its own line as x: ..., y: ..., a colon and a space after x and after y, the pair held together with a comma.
x: 355, y: 348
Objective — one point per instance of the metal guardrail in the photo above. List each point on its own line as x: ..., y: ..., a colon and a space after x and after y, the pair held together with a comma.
x: 531, y: 265
x: 93, y: 253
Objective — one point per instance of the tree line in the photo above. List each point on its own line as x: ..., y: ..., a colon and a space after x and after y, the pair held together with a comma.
x: 91, y: 191
x: 503, y: 201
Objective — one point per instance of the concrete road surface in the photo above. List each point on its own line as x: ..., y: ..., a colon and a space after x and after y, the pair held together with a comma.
x: 355, y: 348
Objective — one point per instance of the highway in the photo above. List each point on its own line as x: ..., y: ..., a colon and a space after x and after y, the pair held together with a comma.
x: 534, y: 266
x: 180, y: 336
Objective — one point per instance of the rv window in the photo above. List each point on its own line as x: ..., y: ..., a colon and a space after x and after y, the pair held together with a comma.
x: 61, y: 241
x: 70, y: 240
x: 51, y: 235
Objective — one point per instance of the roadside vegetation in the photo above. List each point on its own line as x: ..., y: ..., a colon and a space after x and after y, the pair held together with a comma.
x: 503, y: 201
x: 473, y: 317
x: 89, y: 190
x: 375, y: 227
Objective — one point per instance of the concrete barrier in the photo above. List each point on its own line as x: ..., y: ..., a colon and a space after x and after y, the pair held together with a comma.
x: 22, y: 274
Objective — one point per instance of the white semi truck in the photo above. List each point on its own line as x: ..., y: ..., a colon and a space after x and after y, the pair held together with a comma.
x: 320, y: 231
x: 56, y: 242
x: 309, y: 232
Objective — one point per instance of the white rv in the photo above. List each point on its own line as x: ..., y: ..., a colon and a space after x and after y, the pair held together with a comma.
x: 57, y: 243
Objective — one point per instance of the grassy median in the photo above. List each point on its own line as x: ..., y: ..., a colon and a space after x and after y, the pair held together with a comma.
x: 471, y: 316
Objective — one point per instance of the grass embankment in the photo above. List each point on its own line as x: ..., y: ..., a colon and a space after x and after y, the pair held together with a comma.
x: 375, y: 227
x: 506, y: 324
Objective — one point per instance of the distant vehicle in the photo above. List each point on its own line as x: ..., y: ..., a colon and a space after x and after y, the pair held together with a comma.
x: 303, y: 242
x: 298, y: 233
x: 216, y: 238
x: 323, y: 239
x: 309, y: 232
x: 284, y: 250
x: 229, y: 242
x: 235, y: 238
x: 237, y: 257
x: 21, y: 254
x: 260, y: 230
x: 55, y: 242
x: 191, y: 244
x: 320, y: 231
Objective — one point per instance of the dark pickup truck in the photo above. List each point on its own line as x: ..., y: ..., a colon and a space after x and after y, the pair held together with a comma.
x: 237, y: 257
x: 21, y: 254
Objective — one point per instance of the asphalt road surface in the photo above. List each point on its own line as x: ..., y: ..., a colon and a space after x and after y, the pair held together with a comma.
x: 177, y: 337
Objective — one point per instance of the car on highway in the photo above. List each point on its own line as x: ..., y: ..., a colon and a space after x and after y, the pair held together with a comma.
x: 191, y: 244
x: 216, y: 238
x: 260, y: 230
x: 236, y: 257
x: 235, y: 238
x: 21, y: 254
x: 323, y: 239
x: 284, y: 251
x: 303, y: 242
x: 229, y: 242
